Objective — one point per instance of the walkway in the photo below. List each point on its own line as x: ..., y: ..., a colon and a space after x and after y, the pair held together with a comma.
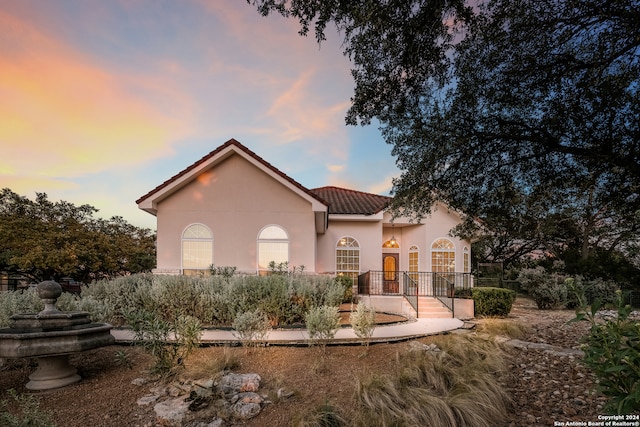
x: 383, y: 333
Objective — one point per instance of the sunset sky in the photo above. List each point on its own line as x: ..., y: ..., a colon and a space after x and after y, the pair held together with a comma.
x: 102, y: 100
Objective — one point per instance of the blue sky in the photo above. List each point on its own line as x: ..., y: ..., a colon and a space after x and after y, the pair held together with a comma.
x: 100, y: 101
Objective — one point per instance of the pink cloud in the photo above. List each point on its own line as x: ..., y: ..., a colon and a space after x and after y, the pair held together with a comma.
x: 63, y: 115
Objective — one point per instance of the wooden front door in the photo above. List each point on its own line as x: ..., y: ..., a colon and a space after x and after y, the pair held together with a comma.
x: 390, y: 263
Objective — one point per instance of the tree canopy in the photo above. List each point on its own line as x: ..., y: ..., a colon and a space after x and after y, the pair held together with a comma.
x: 45, y: 240
x: 522, y: 111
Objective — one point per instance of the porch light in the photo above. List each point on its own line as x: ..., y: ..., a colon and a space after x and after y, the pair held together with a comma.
x: 393, y: 237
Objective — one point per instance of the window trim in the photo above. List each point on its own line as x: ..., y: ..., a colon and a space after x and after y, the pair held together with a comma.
x: 184, y: 239
x: 260, y: 240
x: 343, y: 248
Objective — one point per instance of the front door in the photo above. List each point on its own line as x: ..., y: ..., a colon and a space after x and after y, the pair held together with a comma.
x: 390, y: 263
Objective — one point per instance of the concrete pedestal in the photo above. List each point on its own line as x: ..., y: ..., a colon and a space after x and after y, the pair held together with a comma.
x: 53, y: 372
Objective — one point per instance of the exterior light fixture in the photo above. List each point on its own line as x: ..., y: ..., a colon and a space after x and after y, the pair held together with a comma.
x: 393, y: 240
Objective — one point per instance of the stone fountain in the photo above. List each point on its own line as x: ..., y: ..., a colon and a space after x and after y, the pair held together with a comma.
x: 51, y: 336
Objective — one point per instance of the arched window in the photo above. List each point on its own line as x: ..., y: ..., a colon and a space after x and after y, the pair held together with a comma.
x: 197, y: 249
x: 348, y: 257
x: 443, y: 256
x: 273, y: 246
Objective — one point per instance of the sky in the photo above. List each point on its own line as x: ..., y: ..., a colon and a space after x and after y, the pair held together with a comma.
x: 103, y: 100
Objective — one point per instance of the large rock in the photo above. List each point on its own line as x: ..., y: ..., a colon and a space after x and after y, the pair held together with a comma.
x: 172, y: 411
x: 238, y: 383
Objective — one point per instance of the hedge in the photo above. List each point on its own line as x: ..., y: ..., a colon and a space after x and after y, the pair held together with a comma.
x: 492, y: 301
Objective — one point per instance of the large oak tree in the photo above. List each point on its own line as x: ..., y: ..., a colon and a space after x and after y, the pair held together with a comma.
x: 523, y: 113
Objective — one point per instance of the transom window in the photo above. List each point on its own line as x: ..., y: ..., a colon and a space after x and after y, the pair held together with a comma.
x: 348, y: 257
x: 273, y: 246
x: 197, y: 249
x: 443, y: 256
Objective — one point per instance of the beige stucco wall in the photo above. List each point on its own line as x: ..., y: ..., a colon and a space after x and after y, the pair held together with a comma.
x: 371, y: 234
x: 236, y: 200
x: 367, y: 233
x: 435, y: 226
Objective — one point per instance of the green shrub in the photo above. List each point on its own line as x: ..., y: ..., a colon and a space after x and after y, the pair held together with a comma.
x: 492, y: 301
x: 225, y: 271
x: 214, y: 300
x: 612, y: 352
x: 30, y: 412
x: 547, y: 290
x: 322, y: 323
x: 595, y: 289
x: 346, y: 282
x: 252, y: 327
x: 169, y: 342
x: 363, y: 322
x: 18, y: 302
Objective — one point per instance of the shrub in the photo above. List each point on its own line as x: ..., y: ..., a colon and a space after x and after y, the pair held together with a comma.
x: 322, y: 323
x: 346, y: 282
x: 592, y: 290
x: 612, y: 352
x: 547, y: 290
x: 225, y: 271
x: 18, y: 302
x: 363, y: 322
x: 492, y: 301
x: 30, y: 412
x: 169, y: 342
x: 251, y: 327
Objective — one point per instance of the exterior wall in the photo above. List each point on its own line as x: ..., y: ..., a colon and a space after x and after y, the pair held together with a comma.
x: 235, y: 200
x: 435, y: 226
x: 367, y: 233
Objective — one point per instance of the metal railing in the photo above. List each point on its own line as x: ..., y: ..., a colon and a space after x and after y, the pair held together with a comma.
x: 412, y: 285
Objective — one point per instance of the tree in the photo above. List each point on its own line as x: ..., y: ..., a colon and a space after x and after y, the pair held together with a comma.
x: 530, y: 102
x: 45, y: 240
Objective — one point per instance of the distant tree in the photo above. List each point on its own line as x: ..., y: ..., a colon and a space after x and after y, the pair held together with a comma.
x: 45, y: 240
x: 520, y: 113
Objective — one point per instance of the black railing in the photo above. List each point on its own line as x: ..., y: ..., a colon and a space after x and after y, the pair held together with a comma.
x: 412, y: 285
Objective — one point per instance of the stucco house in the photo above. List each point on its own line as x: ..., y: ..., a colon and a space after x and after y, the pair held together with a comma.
x: 233, y: 208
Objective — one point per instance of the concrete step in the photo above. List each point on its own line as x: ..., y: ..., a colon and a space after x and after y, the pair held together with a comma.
x: 432, y: 308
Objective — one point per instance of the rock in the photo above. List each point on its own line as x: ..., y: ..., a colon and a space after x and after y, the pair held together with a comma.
x: 171, y: 411
x: 217, y: 422
x: 245, y: 411
x: 140, y: 381
x: 250, y: 397
x: 149, y: 398
x: 236, y: 383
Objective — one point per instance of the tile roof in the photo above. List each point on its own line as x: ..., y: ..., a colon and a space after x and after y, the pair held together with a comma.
x: 235, y: 143
x: 344, y: 201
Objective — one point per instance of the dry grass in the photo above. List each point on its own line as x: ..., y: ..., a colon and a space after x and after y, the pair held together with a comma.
x: 458, y: 386
x: 503, y: 327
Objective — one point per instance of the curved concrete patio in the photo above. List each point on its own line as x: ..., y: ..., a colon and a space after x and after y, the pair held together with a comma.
x: 383, y: 333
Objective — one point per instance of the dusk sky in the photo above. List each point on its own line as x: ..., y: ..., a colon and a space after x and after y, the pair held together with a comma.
x: 102, y: 100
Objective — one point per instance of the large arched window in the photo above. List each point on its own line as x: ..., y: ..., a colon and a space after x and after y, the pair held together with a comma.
x: 197, y: 249
x: 273, y: 246
x: 348, y: 257
x: 443, y: 256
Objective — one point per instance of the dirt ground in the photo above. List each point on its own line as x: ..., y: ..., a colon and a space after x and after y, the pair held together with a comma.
x: 545, y: 388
